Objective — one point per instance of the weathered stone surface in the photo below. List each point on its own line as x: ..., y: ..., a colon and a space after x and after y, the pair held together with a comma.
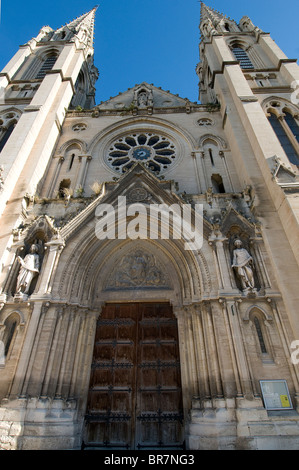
x: 236, y: 312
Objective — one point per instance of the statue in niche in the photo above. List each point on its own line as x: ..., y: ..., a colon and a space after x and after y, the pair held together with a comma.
x: 243, y: 265
x: 28, y: 270
x: 142, y: 99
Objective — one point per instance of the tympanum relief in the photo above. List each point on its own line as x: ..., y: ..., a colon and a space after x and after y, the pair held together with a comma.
x: 137, y: 270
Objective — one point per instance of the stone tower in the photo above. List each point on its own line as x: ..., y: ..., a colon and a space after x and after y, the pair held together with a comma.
x: 245, y: 72
x: 115, y: 331
x: 48, y: 74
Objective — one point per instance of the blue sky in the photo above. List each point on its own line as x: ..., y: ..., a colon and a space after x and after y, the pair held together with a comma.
x: 145, y: 40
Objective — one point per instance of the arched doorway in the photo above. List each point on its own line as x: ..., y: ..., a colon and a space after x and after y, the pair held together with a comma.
x: 135, y: 396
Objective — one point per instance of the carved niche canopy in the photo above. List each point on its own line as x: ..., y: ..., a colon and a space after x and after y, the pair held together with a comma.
x: 137, y: 269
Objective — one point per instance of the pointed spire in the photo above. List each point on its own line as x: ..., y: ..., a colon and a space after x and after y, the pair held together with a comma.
x: 82, y: 26
x: 208, y: 13
x: 213, y: 22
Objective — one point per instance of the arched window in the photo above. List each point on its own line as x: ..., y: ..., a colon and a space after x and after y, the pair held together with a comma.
x: 71, y: 161
x: 294, y: 128
x: 47, y: 65
x: 80, y: 95
x: 64, y: 188
x: 242, y: 57
x: 260, y: 335
x: 286, y: 129
x: 211, y: 156
x: 217, y: 184
x: 10, y: 324
x: 6, y: 135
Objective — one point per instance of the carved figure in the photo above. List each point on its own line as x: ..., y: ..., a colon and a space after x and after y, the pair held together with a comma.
x: 142, y: 99
x: 28, y: 270
x: 243, y: 265
x: 137, y: 270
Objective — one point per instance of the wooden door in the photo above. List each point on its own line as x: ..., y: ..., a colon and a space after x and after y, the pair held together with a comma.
x: 135, y: 399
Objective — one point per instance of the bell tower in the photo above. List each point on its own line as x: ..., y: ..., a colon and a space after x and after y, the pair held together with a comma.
x: 225, y: 43
x: 255, y: 85
x: 49, y: 74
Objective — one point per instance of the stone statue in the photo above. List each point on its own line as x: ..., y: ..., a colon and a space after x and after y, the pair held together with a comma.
x: 243, y: 265
x: 142, y: 99
x: 28, y: 270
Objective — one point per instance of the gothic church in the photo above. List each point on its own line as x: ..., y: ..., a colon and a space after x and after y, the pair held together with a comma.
x: 135, y: 342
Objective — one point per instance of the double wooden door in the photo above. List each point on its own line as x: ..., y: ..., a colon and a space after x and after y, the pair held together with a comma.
x: 135, y: 397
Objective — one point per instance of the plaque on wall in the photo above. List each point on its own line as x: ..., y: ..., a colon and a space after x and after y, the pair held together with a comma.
x: 276, y: 395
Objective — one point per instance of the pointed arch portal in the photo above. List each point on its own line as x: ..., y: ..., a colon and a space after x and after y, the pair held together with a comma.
x: 138, y: 288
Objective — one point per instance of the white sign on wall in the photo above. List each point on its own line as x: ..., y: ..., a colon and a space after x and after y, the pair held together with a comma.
x: 276, y: 395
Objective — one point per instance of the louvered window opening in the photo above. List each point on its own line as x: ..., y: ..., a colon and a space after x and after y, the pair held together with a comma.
x: 47, y: 65
x: 243, y: 58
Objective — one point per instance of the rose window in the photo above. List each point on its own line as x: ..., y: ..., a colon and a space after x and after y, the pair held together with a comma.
x: 155, y: 151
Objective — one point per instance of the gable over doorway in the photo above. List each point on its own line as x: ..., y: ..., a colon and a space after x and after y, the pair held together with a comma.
x: 135, y: 396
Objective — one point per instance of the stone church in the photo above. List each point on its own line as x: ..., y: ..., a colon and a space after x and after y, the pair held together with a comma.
x: 117, y: 336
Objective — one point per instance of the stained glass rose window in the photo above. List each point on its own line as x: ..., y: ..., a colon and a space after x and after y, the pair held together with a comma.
x: 157, y: 152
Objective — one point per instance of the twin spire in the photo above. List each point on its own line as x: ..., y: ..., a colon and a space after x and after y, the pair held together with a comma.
x: 86, y: 22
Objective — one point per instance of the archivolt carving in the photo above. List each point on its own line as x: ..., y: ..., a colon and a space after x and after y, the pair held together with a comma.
x: 112, y: 265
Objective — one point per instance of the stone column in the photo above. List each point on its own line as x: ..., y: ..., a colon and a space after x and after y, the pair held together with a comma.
x: 50, y: 381
x: 202, y: 170
x: 84, y: 350
x: 187, y: 360
x: 226, y: 172
x: 217, y: 240
x: 241, y: 367
x: 66, y: 342
x: 54, y: 249
x: 259, y: 263
x: 55, y: 177
x: 215, y: 385
x: 200, y: 353
x: 19, y: 385
x: 84, y: 159
x: 197, y: 173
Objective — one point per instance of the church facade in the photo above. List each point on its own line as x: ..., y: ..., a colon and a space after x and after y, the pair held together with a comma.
x: 149, y: 249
